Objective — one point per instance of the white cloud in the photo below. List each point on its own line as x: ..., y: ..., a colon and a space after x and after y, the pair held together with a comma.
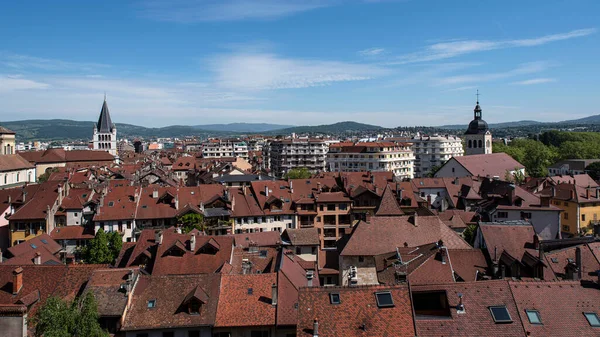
x: 17, y: 82
x: 371, y: 52
x: 523, y: 69
x: 468, y: 87
x: 24, y: 62
x: 535, y: 81
x: 187, y: 11
x: 444, y: 50
x: 262, y: 71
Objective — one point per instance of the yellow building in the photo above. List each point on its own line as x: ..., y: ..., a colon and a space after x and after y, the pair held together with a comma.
x: 7, y: 141
x: 580, y: 205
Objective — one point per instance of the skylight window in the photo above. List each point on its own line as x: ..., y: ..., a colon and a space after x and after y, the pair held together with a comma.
x: 533, y: 316
x: 592, y: 318
x: 263, y: 253
x: 500, y: 314
x: 384, y: 299
x: 111, y: 203
x: 554, y: 260
x: 334, y: 298
x: 151, y: 304
x: 33, y: 246
x: 250, y: 291
x: 44, y: 241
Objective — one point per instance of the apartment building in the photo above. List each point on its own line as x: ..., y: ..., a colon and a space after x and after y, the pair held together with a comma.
x: 433, y: 151
x: 283, y: 155
x: 388, y: 156
x: 219, y: 148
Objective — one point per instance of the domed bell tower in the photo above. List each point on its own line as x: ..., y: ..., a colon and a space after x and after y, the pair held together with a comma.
x: 478, y: 137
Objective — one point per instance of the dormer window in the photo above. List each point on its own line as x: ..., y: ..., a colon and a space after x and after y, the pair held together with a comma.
x: 194, y: 307
x: 151, y: 304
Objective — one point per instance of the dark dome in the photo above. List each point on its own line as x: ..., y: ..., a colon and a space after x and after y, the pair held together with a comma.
x: 476, y: 127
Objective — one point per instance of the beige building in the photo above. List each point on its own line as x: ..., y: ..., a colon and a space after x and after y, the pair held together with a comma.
x: 223, y: 148
x: 372, y: 156
x: 433, y: 151
x: 7, y: 141
x: 15, y: 171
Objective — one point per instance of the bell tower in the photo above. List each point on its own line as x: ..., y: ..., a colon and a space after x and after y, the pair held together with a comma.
x: 105, y: 132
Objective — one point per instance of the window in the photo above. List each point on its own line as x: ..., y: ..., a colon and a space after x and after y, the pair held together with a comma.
x: 566, y: 228
x: 141, y: 335
x: 168, y: 334
x: 592, y: 318
x: 331, y: 207
x: 361, y: 259
x: 533, y: 316
x: 431, y: 304
x: 298, y: 251
x: 526, y: 215
x: 384, y: 299
x: 76, y: 214
x: 250, y: 291
x: 259, y: 334
x: 582, y: 217
x: 502, y: 215
x: 151, y: 304
x: 334, y: 298
x: 111, y: 204
x: 194, y: 307
x: 194, y: 333
x: 500, y: 314
x: 566, y: 216
x: 343, y: 207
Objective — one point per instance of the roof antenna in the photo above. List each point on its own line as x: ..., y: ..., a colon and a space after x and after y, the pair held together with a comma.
x: 477, y: 96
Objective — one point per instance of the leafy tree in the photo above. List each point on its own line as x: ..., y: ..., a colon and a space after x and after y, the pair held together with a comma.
x: 97, y: 251
x: 191, y: 221
x: 46, y: 175
x: 298, y: 173
x: 593, y: 170
x: 469, y: 233
x: 115, y: 243
x: 434, y: 169
x: 58, y: 318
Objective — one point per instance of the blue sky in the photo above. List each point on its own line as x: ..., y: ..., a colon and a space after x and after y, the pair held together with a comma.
x: 305, y: 62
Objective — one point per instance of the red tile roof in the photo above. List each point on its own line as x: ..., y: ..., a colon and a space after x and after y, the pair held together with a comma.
x: 493, y: 164
x: 118, y: 204
x: 388, y: 205
x: 105, y: 284
x: 36, y: 206
x: 477, y: 320
x: 60, y: 155
x: 357, y: 314
x: 13, y: 162
x: 260, y: 239
x: 170, y: 310
x: 302, y: 236
x: 560, y: 305
x: 72, y: 233
x: 245, y: 300
x: 385, y: 234
x: 589, y: 262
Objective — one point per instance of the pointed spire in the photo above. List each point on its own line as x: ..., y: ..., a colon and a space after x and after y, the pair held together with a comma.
x: 388, y: 205
x: 104, y: 124
x: 477, y: 110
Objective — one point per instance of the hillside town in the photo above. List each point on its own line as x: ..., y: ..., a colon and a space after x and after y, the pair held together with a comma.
x: 386, y: 235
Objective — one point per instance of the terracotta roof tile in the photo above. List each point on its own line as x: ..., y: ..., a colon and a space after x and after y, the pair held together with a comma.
x: 248, y: 294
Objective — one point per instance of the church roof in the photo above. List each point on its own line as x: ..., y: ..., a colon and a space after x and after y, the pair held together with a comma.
x: 477, y: 126
x: 104, y: 124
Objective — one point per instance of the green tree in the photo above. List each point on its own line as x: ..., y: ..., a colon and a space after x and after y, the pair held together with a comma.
x: 58, y: 318
x: 97, y: 251
x: 46, y: 175
x: 593, y: 170
x: 469, y: 233
x: 191, y: 221
x: 115, y: 243
x: 298, y: 173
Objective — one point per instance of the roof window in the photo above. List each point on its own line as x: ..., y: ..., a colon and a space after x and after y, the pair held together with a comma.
x: 592, y: 318
x: 500, y: 314
x: 533, y: 316
x: 151, y: 304
x: 334, y: 298
x: 384, y: 299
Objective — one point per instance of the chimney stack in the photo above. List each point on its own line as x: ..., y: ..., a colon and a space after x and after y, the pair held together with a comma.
x: 578, y: 261
x: 158, y: 237
x: 155, y: 194
x: 460, y: 306
x: 266, y: 191
x: 37, y: 259
x: 17, y: 280
x: 587, y: 193
x: 193, y: 243
x: 274, y: 294
x: 309, y: 278
x: 319, y: 187
x: 316, y: 328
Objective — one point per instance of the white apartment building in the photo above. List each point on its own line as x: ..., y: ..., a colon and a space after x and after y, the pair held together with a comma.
x: 433, y: 151
x: 372, y: 156
x: 219, y: 148
x: 285, y: 154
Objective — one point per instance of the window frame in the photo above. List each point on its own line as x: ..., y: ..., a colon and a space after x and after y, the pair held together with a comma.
x: 333, y: 300
x: 500, y: 321
x: 595, y: 324
x: 537, y: 315
x: 384, y: 305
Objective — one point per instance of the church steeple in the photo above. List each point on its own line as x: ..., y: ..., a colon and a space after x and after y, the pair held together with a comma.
x: 104, y: 124
x: 477, y: 110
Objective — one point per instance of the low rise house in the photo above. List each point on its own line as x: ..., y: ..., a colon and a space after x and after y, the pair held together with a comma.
x: 571, y: 166
x: 53, y: 158
x: 304, y: 242
x: 580, y: 206
x: 489, y: 165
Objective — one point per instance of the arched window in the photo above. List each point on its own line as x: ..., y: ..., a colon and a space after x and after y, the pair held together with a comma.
x: 470, y: 144
x: 487, y: 143
x: 5, y: 179
x: 480, y: 144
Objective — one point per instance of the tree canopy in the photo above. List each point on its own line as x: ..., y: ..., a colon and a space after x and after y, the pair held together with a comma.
x: 191, y: 221
x: 59, y: 318
x: 104, y: 248
x: 593, y: 170
x: 298, y: 173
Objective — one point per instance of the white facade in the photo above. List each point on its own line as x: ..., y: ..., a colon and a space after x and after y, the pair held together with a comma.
x: 478, y: 144
x: 546, y: 222
x: 219, y: 148
x: 10, y: 178
x: 434, y: 151
x: 265, y: 223
x: 373, y: 156
x: 284, y: 155
x: 125, y: 227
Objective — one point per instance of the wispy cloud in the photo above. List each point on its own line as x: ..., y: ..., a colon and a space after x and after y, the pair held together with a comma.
x: 468, y: 87
x: 371, y: 52
x: 535, y: 81
x: 17, y: 82
x: 188, y: 11
x: 523, y: 69
x: 444, y: 50
x: 263, y: 71
x: 25, y: 62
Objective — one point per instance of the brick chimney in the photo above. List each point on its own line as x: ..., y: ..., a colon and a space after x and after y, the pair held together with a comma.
x: 37, y: 259
x: 316, y: 328
x: 17, y: 280
x: 274, y: 294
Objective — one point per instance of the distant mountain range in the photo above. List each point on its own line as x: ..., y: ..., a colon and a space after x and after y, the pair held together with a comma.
x: 242, y: 127
x: 63, y: 129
